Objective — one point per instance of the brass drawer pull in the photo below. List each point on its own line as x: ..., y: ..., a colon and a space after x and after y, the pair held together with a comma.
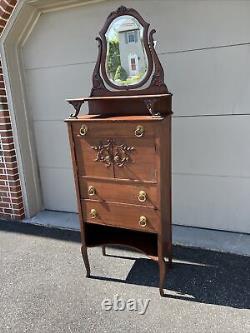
x: 139, y: 131
x: 142, y: 196
x: 91, y: 191
x: 83, y: 130
x: 93, y: 213
x: 143, y: 221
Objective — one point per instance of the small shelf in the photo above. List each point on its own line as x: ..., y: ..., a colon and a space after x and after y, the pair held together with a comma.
x: 108, y: 98
x: 97, y: 235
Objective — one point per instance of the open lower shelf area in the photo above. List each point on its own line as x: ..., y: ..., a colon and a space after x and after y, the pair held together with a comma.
x: 97, y: 235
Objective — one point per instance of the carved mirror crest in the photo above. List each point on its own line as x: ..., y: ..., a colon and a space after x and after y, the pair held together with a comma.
x: 127, y: 60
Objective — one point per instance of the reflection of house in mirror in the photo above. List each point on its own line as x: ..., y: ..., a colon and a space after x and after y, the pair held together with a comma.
x: 131, y: 49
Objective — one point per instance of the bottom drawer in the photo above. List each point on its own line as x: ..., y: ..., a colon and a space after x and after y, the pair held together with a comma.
x: 121, y: 215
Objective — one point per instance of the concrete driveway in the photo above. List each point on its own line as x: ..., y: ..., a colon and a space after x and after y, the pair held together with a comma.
x: 43, y: 287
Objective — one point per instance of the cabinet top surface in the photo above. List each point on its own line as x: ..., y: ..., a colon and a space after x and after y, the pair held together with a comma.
x: 115, y: 118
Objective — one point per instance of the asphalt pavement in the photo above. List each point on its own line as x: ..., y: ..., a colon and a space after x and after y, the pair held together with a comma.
x: 43, y: 287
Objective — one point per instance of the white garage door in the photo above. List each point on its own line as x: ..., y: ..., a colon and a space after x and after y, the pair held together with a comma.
x: 208, y: 70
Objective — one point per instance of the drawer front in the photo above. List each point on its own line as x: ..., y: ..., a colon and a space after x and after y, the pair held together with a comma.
x: 106, y: 129
x: 120, y: 191
x: 121, y: 215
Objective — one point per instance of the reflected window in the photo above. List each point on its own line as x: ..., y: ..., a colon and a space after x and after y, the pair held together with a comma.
x: 131, y: 36
x: 133, y: 64
x: 126, y: 61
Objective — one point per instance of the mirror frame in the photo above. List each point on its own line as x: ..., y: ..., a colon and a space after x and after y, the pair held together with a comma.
x: 130, y: 12
x: 155, y: 71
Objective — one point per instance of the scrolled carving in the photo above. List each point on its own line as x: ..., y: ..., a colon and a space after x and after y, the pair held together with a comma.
x: 77, y: 106
x: 122, y: 154
x: 108, y: 152
x: 96, y: 77
x: 158, y: 76
x: 122, y: 10
x: 104, y: 153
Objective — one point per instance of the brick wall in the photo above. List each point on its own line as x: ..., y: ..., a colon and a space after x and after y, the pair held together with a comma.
x: 11, y: 201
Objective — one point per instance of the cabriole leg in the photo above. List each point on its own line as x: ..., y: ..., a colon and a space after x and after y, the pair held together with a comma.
x: 85, y: 259
x: 162, y: 269
x: 104, y: 250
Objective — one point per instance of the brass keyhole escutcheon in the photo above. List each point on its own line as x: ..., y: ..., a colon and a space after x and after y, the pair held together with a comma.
x: 93, y: 213
x: 143, y: 221
x: 91, y: 191
x: 139, y: 131
x: 142, y: 196
x: 83, y: 130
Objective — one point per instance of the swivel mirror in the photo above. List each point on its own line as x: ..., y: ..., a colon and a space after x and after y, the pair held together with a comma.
x: 126, y: 60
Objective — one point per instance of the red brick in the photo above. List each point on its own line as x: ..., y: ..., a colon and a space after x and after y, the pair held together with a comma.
x: 12, y: 2
x: 5, y: 127
x: 13, y: 200
x: 4, y: 106
x: 9, y: 177
x: 3, y: 99
x: 7, y: 134
x: 3, y: 14
x: 8, y: 146
x: 9, y: 159
x: 4, y: 205
x: 8, y: 165
x: 10, y: 172
x: 7, y: 140
x: 2, y: 23
x: 9, y: 154
x: 17, y: 205
x: 4, y: 120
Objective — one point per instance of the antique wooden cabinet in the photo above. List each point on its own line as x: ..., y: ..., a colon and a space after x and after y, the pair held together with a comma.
x: 121, y: 150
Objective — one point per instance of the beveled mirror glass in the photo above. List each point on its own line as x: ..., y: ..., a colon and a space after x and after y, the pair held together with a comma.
x: 126, y: 61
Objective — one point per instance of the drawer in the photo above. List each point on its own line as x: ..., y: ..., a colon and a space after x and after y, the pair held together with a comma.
x: 104, y: 129
x: 121, y: 215
x: 120, y: 191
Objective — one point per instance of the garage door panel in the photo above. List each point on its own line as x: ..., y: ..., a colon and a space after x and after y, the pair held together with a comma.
x: 52, y: 144
x: 48, y: 88
x: 58, y: 189
x: 209, y: 82
x: 212, y: 202
x: 212, y: 145
x: 59, y: 38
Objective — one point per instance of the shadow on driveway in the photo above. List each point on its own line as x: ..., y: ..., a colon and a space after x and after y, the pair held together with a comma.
x: 197, y: 276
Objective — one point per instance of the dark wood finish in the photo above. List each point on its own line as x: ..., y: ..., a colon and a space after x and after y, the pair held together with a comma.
x: 116, y: 189
x: 106, y: 191
x: 127, y: 105
x: 121, y: 215
x: 121, y: 153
